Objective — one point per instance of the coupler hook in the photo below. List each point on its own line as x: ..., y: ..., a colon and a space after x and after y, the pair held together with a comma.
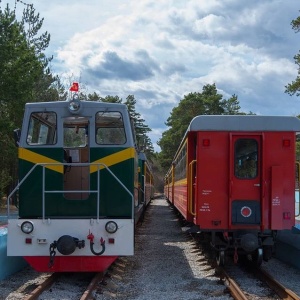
x: 52, y: 254
x: 102, y: 243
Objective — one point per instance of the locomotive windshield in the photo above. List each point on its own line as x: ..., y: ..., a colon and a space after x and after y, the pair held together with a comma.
x: 75, y: 132
x: 110, y: 128
x: 42, y: 129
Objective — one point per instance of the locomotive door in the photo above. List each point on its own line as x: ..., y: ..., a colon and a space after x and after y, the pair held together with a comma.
x: 245, y: 182
x: 76, y: 152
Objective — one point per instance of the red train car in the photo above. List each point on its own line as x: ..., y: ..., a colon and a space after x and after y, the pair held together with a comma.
x: 234, y: 178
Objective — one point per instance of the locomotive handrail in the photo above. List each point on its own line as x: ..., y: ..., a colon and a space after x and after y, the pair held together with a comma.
x: 98, y: 165
x: 190, y: 194
x: 143, y: 190
x: 17, y: 187
x: 98, y: 184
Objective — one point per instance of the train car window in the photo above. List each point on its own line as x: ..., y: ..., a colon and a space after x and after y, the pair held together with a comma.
x: 180, y: 164
x: 42, y: 129
x: 246, y: 166
x: 110, y: 128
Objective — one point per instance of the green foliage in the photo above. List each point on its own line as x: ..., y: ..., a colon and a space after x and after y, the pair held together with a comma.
x: 209, y: 102
x: 93, y: 97
x: 158, y: 173
x: 294, y: 87
x: 111, y: 99
x: 24, y: 77
x: 141, y: 129
x: 296, y: 24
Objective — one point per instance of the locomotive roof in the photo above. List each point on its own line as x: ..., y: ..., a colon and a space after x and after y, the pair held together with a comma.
x: 244, y: 123
x: 63, y: 104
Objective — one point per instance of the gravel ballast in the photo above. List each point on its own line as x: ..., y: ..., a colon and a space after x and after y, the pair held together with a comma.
x: 166, y: 264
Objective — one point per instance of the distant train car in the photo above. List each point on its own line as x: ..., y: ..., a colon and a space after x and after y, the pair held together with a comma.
x: 234, y: 178
x: 168, y: 185
x: 78, y: 186
x: 145, y: 180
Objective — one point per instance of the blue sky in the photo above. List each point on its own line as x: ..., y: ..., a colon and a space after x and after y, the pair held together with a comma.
x: 161, y: 50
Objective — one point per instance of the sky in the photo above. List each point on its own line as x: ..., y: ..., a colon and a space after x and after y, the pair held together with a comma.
x: 161, y: 50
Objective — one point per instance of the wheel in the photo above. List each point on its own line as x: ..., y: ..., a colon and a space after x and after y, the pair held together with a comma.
x: 257, y: 256
x: 220, y: 258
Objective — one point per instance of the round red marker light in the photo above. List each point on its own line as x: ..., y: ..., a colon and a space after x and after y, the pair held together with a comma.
x: 246, y: 211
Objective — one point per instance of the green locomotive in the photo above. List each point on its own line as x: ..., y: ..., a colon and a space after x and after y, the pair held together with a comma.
x: 78, y: 186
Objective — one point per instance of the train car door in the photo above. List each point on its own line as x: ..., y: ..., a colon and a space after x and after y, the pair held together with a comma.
x: 246, y: 181
x: 191, y: 174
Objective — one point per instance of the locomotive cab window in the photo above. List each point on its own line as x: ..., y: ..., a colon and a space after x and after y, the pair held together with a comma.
x: 110, y: 128
x: 42, y: 129
x: 75, y: 132
x: 246, y: 166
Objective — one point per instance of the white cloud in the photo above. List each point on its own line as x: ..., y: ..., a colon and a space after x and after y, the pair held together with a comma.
x: 161, y: 50
x: 210, y: 25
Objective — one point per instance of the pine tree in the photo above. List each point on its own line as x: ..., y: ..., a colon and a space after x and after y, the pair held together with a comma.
x: 141, y: 128
x: 208, y: 102
x: 24, y: 77
x: 294, y: 87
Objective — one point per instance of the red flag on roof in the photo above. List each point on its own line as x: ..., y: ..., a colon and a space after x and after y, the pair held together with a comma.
x: 74, y: 87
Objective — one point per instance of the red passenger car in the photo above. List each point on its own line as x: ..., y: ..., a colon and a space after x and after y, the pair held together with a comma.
x: 234, y: 178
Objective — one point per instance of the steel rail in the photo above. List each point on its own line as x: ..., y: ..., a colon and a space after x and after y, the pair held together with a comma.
x: 281, y: 291
x: 233, y: 287
x: 42, y: 287
x: 97, y: 278
x: 34, y: 295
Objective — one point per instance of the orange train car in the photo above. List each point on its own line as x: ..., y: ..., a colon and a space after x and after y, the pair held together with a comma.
x: 233, y: 177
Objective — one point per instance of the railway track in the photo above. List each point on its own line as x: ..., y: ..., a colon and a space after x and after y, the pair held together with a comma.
x: 42, y: 287
x: 167, y: 265
x: 239, y: 293
x: 52, y: 285
x: 239, y: 281
x: 281, y: 290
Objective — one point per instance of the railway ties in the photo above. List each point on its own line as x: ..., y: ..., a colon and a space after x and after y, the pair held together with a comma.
x: 244, y: 281
x: 53, y: 278
x: 168, y: 265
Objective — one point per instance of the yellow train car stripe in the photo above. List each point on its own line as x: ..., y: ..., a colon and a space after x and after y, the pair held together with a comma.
x: 181, y: 182
x: 113, y: 159
x: 36, y: 158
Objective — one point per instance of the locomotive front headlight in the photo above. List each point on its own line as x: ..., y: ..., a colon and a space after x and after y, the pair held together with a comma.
x: 75, y: 105
x: 111, y: 227
x: 27, y: 227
